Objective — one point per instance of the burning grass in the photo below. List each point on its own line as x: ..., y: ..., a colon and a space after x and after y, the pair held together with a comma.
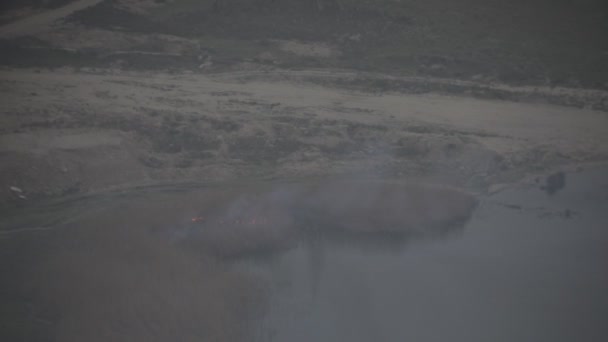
x: 272, y: 221
x: 249, y: 225
x: 113, y: 277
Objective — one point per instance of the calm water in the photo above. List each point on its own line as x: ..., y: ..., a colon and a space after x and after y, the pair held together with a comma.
x: 528, y: 267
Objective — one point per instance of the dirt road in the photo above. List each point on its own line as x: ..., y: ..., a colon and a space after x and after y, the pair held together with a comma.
x: 43, y: 21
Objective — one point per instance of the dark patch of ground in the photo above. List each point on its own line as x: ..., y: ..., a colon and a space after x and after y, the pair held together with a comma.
x: 6, y: 5
x: 107, y: 15
x: 519, y: 42
x: 537, y: 42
